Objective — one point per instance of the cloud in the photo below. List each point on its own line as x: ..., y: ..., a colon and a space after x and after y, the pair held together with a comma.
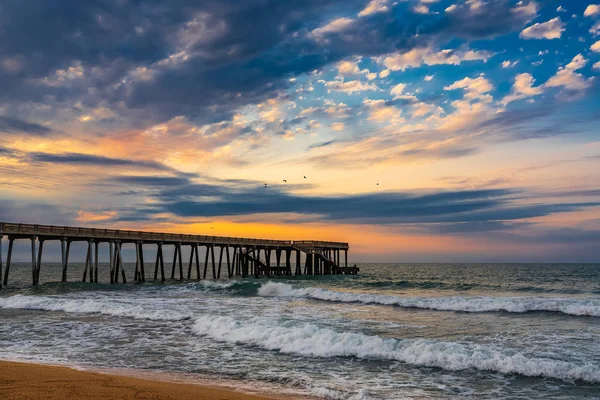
x: 592, y: 10
x: 206, y: 60
x: 552, y: 29
x: 509, y: 64
x: 15, y: 125
x: 473, y: 87
x: 523, y: 88
x: 152, y: 181
x: 382, y: 111
x: 421, y: 9
x: 469, y: 206
x: 350, y: 86
x: 427, y: 56
x: 475, y: 19
x: 569, y: 79
x: 398, y: 89
x: 95, y: 160
x: 374, y: 6
x: 596, y: 47
x: 335, y: 26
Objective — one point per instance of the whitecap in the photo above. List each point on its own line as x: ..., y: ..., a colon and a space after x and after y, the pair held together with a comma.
x: 570, y: 306
x: 311, y: 340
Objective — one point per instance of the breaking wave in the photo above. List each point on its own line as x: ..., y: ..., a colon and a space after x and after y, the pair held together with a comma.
x: 578, y: 307
x: 310, y: 340
x: 89, y: 306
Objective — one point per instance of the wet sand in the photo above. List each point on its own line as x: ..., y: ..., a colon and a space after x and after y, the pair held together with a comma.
x: 20, y: 381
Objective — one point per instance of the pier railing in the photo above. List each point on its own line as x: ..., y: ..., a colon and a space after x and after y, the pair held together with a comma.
x: 129, y: 235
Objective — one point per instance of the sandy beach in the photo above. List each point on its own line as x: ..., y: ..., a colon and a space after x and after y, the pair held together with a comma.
x: 23, y: 381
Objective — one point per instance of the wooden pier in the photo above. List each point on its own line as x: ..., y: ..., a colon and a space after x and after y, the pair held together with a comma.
x: 243, y: 257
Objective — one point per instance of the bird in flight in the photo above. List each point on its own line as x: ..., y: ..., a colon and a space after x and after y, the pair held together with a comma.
x: 285, y: 181
x: 378, y: 184
x: 304, y: 176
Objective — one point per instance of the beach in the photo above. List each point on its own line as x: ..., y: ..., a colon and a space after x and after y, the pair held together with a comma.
x: 22, y: 381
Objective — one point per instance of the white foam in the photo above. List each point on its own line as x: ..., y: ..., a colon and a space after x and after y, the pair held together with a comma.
x: 338, y: 394
x: 579, y: 307
x: 311, y: 340
x: 88, y: 306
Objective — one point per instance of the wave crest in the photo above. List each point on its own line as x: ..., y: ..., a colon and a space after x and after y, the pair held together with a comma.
x: 89, y: 306
x: 311, y: 340
x: 578, y: 307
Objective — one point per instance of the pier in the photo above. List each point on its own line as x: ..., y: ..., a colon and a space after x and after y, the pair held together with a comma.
x: 243, y: 257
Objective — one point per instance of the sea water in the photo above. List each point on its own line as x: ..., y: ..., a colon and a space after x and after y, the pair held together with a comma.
x: 396, y: 331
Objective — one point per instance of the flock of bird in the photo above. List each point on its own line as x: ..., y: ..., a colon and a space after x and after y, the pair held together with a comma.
x: 285, y: 181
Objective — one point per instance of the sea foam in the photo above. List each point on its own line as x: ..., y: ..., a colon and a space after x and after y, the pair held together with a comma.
x: 314, y: 341
x: 88, y: 306
x: 570, y: 306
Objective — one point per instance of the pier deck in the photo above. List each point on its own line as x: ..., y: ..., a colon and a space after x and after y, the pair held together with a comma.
x: 242, y: 256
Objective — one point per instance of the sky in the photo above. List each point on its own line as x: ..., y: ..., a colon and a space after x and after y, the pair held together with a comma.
x: 415, y: 130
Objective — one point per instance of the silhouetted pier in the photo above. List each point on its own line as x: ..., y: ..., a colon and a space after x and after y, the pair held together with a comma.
x: 242, y: 256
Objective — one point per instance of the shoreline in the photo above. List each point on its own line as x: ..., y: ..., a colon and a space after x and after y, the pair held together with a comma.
x: 24, y: 380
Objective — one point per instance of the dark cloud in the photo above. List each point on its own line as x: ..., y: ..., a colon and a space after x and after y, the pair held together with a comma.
x: 321, y: 144
x: 471, y: 208
x: 489, y: 19
x: 152, y: 181
x: 15, y: 125
x: 93, y: 160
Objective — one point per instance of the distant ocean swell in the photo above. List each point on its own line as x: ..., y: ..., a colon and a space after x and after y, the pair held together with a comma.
x: 577, y: 307
x: 313, y: 341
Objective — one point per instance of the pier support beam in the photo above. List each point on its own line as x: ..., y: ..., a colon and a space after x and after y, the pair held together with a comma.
x: 1, y: 259
x: 159, y: 261
x: 111, y: 262
x: 88, y: 263
x: 177, y: 258
x: 33, y: 260
x: 235, y: 267
x: 121, y: 266
x: 212, y: 256
x: 138, y: 269
x: 206, y: 262
x: 198, y: 277
x: 346, y: 260
x: 62, y: 256
x: 142, y: 265
x: 267, y: 271
x: 288, y: 264
x: 278, y: 261
x: 220, y: 262
x: 298, y: 265
x: 96, y: 244
x: 192, y: 251
x: 39, y: 262
x: 229, y: 274
x: 8, y: 259
x: 67, y: 251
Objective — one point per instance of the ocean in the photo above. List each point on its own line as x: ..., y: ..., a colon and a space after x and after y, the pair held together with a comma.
x: 396, y: 331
